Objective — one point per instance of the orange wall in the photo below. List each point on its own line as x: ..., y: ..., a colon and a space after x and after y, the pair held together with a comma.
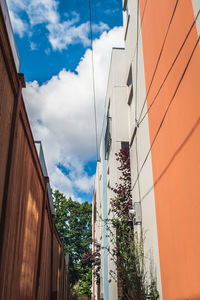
x: 177, y: 146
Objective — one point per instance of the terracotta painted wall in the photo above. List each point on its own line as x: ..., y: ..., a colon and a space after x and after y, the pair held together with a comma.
x: 176, y: 150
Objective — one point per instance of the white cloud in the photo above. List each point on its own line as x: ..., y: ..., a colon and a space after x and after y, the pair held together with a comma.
x: 38, y: 11
x: 84, y: 183
x: 45, y: 12
x: 63, y: 34
x: 42, y: 11
x: 62, y: 116
x: 19, y: 26
x: 99, y: 27
x: 33, y: 46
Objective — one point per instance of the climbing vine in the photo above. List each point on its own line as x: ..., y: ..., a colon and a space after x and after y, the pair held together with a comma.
x: 125, y: 246
x: 93, y: 259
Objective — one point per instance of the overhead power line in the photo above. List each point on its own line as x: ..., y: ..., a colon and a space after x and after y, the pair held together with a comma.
x: 93, y: 81
x: 187, y: 138
x: 169, y: 71
x: 143, y: 14
x: 137, y: 58
x: 166, y: 112
x: 137, y: 162
x: 159, y: 57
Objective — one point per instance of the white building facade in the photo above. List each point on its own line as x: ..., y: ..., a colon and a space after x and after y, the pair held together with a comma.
x: 152, y: 103
x: 124, y: 102
x: 114, y: 134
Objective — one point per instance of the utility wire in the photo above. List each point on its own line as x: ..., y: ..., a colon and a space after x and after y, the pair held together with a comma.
x: 169, y: 71
x: 189, y: 135
x: 166, y: 112
x: 137, y: 163
x: 95, y: 110
x: 136, y: 96
x: 137, y: 59
x: 140, y: 28
x: 140, y: 121
x: 157, y: 63
x: 159, y: 57
x: 93, y: 81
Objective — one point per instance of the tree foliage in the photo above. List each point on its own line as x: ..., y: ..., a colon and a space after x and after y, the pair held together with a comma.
x: 74, y: 224
x: 93, y: 259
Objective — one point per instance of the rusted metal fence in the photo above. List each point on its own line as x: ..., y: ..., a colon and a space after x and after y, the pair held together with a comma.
x: 32, y: 262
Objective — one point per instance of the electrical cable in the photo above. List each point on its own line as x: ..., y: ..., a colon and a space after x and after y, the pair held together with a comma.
x: 140, y: 28
x: 94, y: 100
x: 137, y: 162
x: 197, y: 123
x: 159, y: 57
x: 166, y: 112
x: 169, y: 71
x: 137, y: 59
x: 93, y: 81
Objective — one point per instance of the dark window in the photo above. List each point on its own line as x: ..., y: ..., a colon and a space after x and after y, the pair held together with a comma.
x: 124, y: 144
x: 108, y: 138
x: 125, y: 5
x: 130, y: 78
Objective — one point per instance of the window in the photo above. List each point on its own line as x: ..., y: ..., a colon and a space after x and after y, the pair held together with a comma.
x: 124, y: 145
x: 126, y: 16
x: 132, y: 113
x: 131, y: 102
x: 108, y: 138
x: 130, y: 86
x: 130, y: 78
x: 125, y: 9
x: 125, y: 5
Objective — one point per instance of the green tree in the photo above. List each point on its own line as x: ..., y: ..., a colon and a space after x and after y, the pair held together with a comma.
x: 74, y: 224
x: 85, y: 283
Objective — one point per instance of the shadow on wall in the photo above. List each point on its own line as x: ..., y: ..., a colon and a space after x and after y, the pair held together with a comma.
x: 29, y: 248
x: 81, y: 297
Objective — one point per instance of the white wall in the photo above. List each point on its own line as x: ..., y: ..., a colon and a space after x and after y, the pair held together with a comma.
x: 121, y: 130
x: 141, y: 146
x: 116, y: 100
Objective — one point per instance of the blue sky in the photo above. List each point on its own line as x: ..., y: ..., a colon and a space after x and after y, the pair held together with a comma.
x: 53, y: 42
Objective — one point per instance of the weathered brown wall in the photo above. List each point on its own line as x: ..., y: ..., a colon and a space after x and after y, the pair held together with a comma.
x: 32, y: 262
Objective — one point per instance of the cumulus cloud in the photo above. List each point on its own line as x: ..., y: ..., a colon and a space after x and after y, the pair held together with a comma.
x: 63, y: 34
x: 42, y: 11
x: 45, y: 12
x: 19, y: 26
x: 38, y: 11
x: 62, y: 116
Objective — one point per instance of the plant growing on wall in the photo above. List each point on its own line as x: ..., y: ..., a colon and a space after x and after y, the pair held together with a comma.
x: 93, y: 260
x: 126, y: 248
